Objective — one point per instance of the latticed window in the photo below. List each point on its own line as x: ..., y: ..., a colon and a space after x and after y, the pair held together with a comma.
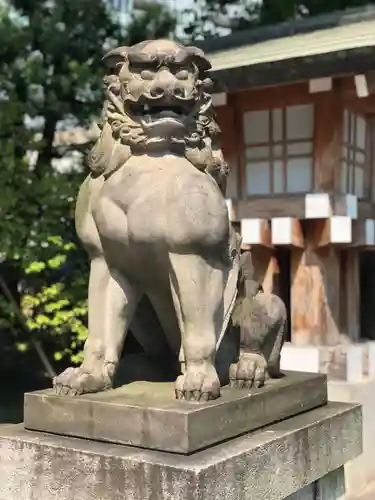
x: 279, y: 150
x: 355, y: 156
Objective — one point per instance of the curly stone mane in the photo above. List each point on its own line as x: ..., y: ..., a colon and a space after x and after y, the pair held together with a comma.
x: 131, y: 85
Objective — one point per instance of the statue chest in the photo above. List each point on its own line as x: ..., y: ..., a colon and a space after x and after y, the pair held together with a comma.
x: 161, y: 201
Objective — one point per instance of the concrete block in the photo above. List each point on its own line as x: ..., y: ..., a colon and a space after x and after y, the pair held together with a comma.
x: 272, y: 463
x: 354, y: 362
x: 341, y: 362
x: 331, y: 486
x: 371, y: 358
x: 300, y: 358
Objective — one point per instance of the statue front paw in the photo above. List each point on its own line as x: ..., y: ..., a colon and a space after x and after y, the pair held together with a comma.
x: 77, y: 381
x: 200, y: 382
x: 250, y: 371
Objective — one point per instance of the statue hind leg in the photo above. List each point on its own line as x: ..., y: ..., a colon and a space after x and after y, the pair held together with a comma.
x: 197, y: 288
x: 262, y: 320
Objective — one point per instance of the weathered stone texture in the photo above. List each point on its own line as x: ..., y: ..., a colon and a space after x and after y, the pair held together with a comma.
x: 271, y: 463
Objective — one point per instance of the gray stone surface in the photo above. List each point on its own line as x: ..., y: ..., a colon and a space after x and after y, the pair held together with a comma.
x: 270, y: 463
x: 329, y: 487
x: 146, y: 414
x: 152, y: 216
x: 306, y: 493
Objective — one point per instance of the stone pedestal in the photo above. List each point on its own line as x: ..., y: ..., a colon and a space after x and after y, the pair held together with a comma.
x: 283, y: 441
x: 146, y: 414
x: 297, y: 459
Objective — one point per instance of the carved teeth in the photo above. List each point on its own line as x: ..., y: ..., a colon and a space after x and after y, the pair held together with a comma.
x: 146, y: 108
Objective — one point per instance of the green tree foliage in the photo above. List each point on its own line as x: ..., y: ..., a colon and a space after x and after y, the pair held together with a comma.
x: 245, y: 14
x: 50, y: 81
x: 154, y: 22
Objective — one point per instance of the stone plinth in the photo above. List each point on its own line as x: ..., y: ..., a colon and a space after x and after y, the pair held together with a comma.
x: 147, y: 414
x: 271, y: 463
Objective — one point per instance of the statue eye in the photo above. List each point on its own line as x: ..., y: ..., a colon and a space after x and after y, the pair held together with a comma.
x: 182, y: 74
x: 147, y: 74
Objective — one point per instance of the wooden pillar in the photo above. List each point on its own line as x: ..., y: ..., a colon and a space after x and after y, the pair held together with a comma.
x: 315, y: 305
x: 350, y: 294
x: 327, y: 139
x: 265, y: 267
x: 225, y: 116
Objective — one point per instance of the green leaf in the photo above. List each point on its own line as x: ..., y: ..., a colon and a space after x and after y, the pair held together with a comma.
x: 29, y: 302
x: 22, y: 347
x: 32, y: 324
x: 42, y: 320
x: 56, y: 306
x: 58, y: 356
x: 56, y: 261
x: 69, y: 246
x: 35, y: 267
x: 55, y: 240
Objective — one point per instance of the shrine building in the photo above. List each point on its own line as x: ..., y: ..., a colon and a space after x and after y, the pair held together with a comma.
x: 296, y: 106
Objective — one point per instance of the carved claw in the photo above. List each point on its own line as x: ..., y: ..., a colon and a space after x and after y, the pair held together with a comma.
x: 249, y: 372
x: 77, y: 381
x: 198, y: 383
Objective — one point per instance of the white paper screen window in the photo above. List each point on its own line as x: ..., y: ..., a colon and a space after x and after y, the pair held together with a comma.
x: 354, y: 155
x: 279, y: 150
x: 256, y: 127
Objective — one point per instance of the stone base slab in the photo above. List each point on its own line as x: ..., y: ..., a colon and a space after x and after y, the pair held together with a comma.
x: 271, y: 463
x: 146, y: 414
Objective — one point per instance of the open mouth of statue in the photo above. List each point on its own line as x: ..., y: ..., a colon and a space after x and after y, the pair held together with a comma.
x: 157, y: 112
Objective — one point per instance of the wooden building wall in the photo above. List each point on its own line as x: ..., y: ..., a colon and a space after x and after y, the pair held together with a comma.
x: 326, y: 220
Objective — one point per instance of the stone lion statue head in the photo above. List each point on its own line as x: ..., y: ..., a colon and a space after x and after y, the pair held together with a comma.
x: 158, y: 98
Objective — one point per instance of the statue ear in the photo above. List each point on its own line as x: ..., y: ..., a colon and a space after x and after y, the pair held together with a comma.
x: 115, y: 57
x: 198, y: 58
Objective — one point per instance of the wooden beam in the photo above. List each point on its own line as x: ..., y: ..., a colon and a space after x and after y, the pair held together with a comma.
x: 343, y: 231
x: 287, y: 231
x: 320, y: 85
x: 361, y: 86
x: 363, y: 234
x: 219, y: 99
x: 256, y: 232
x: 336, y: 230
x: 314, y: 298
x: 352, y: 101
x: 324, y: 205
x: 238, y: 141
x: 309, y: 206
x: 364, y: 84
x: 228, y: 141
x: 350, y: 276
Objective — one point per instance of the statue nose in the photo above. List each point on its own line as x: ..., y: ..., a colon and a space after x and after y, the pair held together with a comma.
x: 157, y: 91
x: 168, y: 90
x: 166, y: 85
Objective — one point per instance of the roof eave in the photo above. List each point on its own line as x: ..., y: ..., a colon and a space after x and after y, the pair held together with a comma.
x: 353, y: 61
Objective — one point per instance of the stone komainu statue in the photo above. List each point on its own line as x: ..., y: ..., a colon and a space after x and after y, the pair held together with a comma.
x: 153, y: 218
